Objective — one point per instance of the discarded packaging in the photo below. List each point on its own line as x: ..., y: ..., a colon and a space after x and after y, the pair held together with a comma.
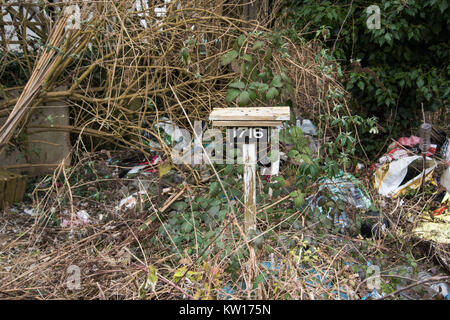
x: 445, y: 179
x: 84, y: 216
x: 130, y: 201
x: 30, y: 212
x: 436, y: 229
x: 440, y: 288
x: 393, y: 179
x: 344, y: 187
x: 404, y: 147
x: 170, y: 133
x: 307, y: 127
x: 445, y: 150
x: 347, y: 188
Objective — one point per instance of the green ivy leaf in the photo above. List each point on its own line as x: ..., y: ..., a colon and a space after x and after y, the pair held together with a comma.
x: 228, y: 57
x: 259, y: 279
x: 186, y: 227
x: 214, y: 210
x: 252, y: 94
x: 179, y: 206
x: 361, y: 85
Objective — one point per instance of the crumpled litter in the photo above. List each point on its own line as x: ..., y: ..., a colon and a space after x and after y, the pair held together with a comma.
x: 374, y: 294
x: 83, y: 218
x: 146, y: 167
x: 169, y: 132
x: 130, y: 201
x: 394, y: 178
x: 30, y: 212
x: 445, y: 150
x: 319, y: 281
x: 346, y: 187
x: 399, y: 149
x: 438, y: 228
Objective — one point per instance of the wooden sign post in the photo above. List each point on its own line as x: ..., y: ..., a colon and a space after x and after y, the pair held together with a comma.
x: 250, y: 119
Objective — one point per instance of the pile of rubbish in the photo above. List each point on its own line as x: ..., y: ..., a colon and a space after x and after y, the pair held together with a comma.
x: 346, y: 189
x: 411, y: 161
x: 409, y: 164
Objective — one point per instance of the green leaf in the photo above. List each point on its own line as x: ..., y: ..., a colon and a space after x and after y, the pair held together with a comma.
x: 214, y: 188
x: 258, y: 45
x: 293, y: 153
x: 361, y: 85
x: 443, y: 5
x: 231, y: 95
x: 240, y: 40
x: 388, y: 38
x: 261, y: 87
x: 237, y: 85
x: 276, y: 82
x: 243, y: 68
x: 243, y: 98
x: 420, y: 82
x: 185, y: 54
x: 228, y: 57
x: 247, y: 58
x: 272, y: 93
x: 186, y: 227
x: 299, y: 200
x: 151, y: 281
x: 214, y: 210
x: 259, y: 279
x: 179, y: 206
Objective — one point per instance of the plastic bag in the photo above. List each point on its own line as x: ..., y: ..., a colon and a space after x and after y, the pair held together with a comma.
x: 393, y: 179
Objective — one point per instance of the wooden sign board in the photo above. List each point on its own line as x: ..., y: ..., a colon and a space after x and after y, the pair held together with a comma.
x: 245, y: 118
x: 249, y: 117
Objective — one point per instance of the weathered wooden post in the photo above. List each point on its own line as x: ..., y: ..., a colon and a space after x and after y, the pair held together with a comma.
x: 250, y: 119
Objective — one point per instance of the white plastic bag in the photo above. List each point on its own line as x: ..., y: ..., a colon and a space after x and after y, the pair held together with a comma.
x: 389, y: 178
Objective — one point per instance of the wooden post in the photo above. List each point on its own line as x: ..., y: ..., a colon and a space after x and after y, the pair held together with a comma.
x: 265, y: 117
x: 249, y: 156
x: 275, y: 165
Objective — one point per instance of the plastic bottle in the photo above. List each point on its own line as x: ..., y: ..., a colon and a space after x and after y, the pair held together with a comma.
x: 440, y: 288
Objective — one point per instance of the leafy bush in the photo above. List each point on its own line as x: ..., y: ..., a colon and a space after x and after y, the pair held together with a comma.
x: 391, y: 71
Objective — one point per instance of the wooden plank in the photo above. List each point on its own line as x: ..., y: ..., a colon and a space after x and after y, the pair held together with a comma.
x: 249, y: 155
x: 249, y: 114
x: 245, y: 123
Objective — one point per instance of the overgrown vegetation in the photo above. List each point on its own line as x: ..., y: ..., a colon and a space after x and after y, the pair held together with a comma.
x: 392, y: 71
x: 183, y: 235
